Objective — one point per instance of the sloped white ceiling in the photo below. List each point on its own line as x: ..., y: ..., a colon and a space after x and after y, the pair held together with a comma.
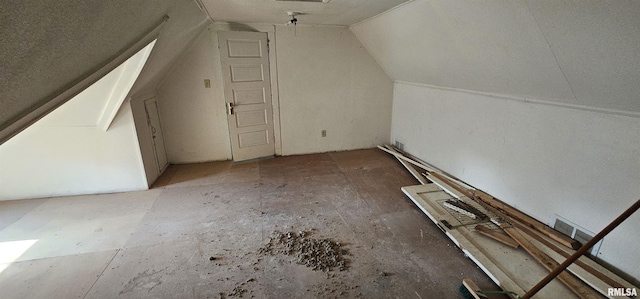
x: 597, y: 45
x: 335, y: 12
x: 583, y: 53
x: 48, y: 46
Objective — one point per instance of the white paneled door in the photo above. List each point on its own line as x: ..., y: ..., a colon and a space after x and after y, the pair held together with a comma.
x: 153, y: 121
x: 247, y: 87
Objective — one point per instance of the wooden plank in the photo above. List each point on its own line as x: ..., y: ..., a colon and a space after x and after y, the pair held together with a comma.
x: 526, y: 219
x: 430, y: 169
x: 401, y: 156
x: 435, y: 169
x: 473, y: 288
x: 574, y: 284
x: 507, y: 209
x: 451, y: 184
x: 413, y: 171
x: 498, y: 236
x: 596, y: 270
x: 488, y: 262
x: 584, y: 270
x: 587, y: 270
x: 445, y: 187
x: 582, y: 274
x: 510, y: 269
x: 490, y: 200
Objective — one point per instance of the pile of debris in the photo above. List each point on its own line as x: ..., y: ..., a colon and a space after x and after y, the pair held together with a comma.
x: 317, y: 254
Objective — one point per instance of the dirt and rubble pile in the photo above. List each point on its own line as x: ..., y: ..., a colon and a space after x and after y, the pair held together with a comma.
x: 317, y: 254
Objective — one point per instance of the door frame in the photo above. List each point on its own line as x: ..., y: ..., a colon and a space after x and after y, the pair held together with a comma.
x: 154, y: 145
x: 273, y: 73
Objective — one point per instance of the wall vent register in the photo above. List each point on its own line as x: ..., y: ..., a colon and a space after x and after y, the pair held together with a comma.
x: 577, y: 233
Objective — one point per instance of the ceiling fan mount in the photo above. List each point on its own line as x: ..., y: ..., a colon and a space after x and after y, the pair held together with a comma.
x: 294, y: 19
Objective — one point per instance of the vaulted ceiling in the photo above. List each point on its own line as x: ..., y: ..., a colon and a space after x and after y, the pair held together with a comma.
x: 50, y: 49
x: 578, y: 53
x: 582, y: 54
x: 315, y: 12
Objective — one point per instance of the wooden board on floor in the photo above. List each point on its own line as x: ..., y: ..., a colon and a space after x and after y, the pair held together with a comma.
x: 574, y: 284
x: 537, y: 225
x: 592, y: 273
x: 512, y: 269
x: 496, y: 235
x: 416, y: 174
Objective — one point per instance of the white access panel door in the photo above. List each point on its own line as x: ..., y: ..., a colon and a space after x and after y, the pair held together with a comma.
x: 153, y: 121
x: 247, y: 87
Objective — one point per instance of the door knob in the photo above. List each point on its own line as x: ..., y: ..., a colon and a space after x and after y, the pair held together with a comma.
x: 230, y: 108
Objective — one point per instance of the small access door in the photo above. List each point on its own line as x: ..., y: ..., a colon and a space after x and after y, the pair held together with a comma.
x: 247, y: 86
x: 153, y: 121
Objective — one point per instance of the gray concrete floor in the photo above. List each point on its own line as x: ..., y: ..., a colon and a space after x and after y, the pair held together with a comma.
x: 158, y: 243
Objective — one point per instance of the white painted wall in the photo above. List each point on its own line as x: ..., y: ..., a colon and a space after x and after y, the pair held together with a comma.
x: 579, y: 53
x: 89, y: 41
x: 70, y: 151
x: 544, y: 160
x: 535, y: 102
x: 185, y: 23
x: 193, y: 117
x: 86, y: 107
x: 47, y: 160
x: 325, y: 80
x: 328, y: 81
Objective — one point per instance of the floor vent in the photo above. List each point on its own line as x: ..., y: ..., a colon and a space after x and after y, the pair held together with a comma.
x: 577, y: 233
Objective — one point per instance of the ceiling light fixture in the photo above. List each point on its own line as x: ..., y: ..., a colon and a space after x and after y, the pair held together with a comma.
x: 293, y: 20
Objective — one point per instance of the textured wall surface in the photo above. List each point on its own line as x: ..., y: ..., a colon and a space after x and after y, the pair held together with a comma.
x: 579, y: 53
x: 535, y: 102
x: 328, y: 81
x: 50, y: 46
x: 45, y: 161
x: 194, y: 117
x: 69, y: 151
x: 70, y: 144
x: 544, y: 160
